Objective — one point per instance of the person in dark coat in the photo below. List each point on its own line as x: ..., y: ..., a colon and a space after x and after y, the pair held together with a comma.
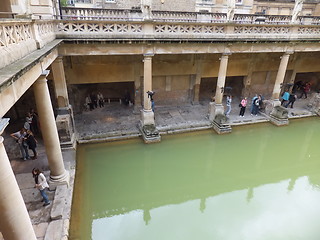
x: 32, y: 143
x: 292, y: 99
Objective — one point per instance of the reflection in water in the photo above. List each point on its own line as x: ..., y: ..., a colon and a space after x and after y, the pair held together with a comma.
x: 202, y: 204
x: 251, y: 184
x: 146, y: 216
x: 249, y: 194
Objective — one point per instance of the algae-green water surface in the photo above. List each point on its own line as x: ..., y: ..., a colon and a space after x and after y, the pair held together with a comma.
x: 258, y: 183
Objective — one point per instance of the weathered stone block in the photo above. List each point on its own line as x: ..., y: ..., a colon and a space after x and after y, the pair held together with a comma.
x: 54, y: 230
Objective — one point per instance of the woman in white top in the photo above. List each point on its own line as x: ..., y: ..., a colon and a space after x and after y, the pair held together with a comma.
x: 41, y: 184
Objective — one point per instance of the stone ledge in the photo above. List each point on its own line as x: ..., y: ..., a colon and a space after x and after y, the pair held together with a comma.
x: 59, y: 202
x: 54, y: 230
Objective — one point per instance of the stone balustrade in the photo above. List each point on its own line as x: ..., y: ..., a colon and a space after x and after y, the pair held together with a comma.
x: 71, y: 13
x: 185, y: 31
x: 21, y: 37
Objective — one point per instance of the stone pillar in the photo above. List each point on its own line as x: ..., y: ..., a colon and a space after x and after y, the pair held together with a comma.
x: 147, y: 115
x: 280, y: 78
x: 15, y: 223
x: 221, y: 78
x: 217, y: 107
x: 58, y: 174
x: 279, y: 114
x: 65, y: 120
x: 60, y: 83
x: 196, y: 87
x: 147, y: 124
x: 137, y: 88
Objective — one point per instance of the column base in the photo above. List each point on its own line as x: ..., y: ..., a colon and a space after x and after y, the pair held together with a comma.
x: 65, y: 127
x: 221, y: 128
x: 147, y: 117
x: 62, y: 179
x: 147, y: 127
x: 218, y: 119
x: 215, y: 111
x: 279, y: 114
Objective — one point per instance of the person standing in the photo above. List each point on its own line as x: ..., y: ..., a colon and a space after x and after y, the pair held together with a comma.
x: 243, y: 104
x: 35, y: 129
x: 305, y: 90
x: 228, y: 104
x: 88, y: 103
x: 252, y: 103
x: 32, y: 143
x: 41, y: 184
x: 20, y: 139
x: 100, y: 100
x: 255, y: 107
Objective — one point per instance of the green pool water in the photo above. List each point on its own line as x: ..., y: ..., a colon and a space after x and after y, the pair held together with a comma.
x: 260, y: 182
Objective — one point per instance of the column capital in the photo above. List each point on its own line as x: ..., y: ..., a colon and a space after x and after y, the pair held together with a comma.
x: 43, y: 77
x: 45, y: 73
x: 226, y: 54
x: 288, y: 53
x: 148, y: 55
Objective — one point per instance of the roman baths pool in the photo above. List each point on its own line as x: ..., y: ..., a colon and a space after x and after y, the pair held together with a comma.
x: 259, y: 182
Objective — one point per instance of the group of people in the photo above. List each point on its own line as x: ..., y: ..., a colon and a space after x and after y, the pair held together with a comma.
x: 256, y: 104
x: 25, y: 136
x: 303, y: 88
x: 93, y: 100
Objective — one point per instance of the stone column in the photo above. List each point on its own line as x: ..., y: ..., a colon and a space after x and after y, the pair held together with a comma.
x: 137, y: 88
x: 196, y: 87
x: 58, y: 174
x: 147, y: 115
x: 217, y: 107
x: 280, y: 78
x: 65, y: 120
x: 60, y: 83
x: 15, y: 223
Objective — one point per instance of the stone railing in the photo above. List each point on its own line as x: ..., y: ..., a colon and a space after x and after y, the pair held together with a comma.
x: 20, y: 37
x: 101, y: 14
x: 185, y: 31
x: 70, y: 13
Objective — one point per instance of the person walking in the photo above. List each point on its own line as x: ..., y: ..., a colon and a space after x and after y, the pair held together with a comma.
x: 23, y: 146
x: 285, y: 98
x: 228, y: 103
x: 41, y: 184
x: 32, y: 143
x: 243, y: 105
x: 292, y: 99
